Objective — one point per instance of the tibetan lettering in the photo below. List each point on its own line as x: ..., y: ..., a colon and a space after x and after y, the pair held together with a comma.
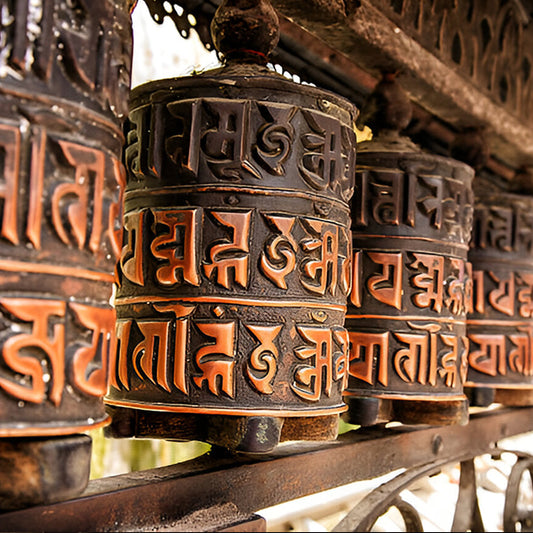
x: 73, y: 200
x: 278, y: 258
x: 317, y: 376
x: 45, y: 337
x: 321, y: 273
x: 490, y: 358
x: 176, y: 245
x: 386, y: 286
x: 131, y: 259
x: 216, y: 361
x: 263, y: 361
x: 431, y: 281
x: 502, y: 299
x: 231, y: 254
x: 90, y: 363
x: 369, y: 351
x: 275, y: 137
x: 322, y: 164
x: 9, y: 175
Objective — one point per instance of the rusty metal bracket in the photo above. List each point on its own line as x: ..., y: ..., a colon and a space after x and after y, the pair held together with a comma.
x: 167, y: 496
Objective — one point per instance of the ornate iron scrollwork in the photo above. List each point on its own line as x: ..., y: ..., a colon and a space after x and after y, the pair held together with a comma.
x: 467, y: 515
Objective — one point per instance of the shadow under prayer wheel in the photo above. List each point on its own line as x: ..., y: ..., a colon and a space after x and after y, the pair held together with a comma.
x: 500, y: 325
x: 64, y: 80
x: 235, y: 270
x: 411, y: 286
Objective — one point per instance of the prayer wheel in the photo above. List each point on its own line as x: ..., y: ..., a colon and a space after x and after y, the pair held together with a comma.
x: 500, y: 325
x: 411, y: 287
x: 235, y: 269
x: 64, y: 80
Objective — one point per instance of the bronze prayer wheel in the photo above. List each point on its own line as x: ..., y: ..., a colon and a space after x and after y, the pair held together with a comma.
x: 235, y: 269
x: 64, y: 81
x: 65, y: 78
x: 500, y: 325
x: 411, y: 288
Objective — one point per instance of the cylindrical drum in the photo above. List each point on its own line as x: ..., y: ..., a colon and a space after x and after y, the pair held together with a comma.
x: 500, y: 325
x: 64, y: 80
x: 412, y: 218
x: 235, y: 268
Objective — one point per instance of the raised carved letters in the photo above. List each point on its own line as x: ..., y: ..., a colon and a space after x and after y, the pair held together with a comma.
x: 369, y: 351
x: 296, y: 252
x: 278, y: 259
x: 89, y: 164
x: 418, y: 194
x: 431, y: 281
x: 411, y: 282
x: 156, y: 351
x: 88, y: 374
x: 236, y: 210
x: 83, y: 214
x: 322, y: 363
x: 131, y: 257
x: 247, y: 142
x: 275, y: 137
x: 177, y: 246
x: 490, y: 357
x: 39, y: 314
x: 264, y: 358
x: 35, y: 358
x: 427, y: 356
x: 499, y: 325
x: 231, y: 254
x: 10, y: 146
x: 405, y: 280
x: 387, y: 285
x: 216, y: 360
x: 321, y: 273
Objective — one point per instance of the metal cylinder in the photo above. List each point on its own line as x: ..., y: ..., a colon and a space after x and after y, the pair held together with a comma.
x: 500, y: 325
x: 411, y: 289
x: 64, y: 82
x: 235, y: 269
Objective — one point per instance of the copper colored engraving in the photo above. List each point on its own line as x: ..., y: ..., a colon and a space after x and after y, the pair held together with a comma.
x: 500, y: 324
x: 236, y: 262
x: 63, y: 91
x: 411, y: 287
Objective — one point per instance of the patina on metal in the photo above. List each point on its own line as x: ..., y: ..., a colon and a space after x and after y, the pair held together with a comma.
x: 412, y: 286
x: 235, y: 268
x: 500, y: 325
x: 169, y: 498
x: 64, y: 80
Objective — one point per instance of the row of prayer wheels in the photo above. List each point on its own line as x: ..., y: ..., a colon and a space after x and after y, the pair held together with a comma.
x: 268, y: 279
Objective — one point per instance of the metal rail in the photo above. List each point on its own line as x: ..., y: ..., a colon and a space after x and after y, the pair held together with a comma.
x: 219, y: 489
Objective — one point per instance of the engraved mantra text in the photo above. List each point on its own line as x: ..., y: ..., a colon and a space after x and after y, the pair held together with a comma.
x: 161, y: 356
x: 45, y: 324
x: 175, y: 239
x: 434, y: 282
x: 76, y: 206
x: 242, y: 141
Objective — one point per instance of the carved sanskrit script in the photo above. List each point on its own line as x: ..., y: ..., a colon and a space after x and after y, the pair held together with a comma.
x: 401, y: 280
x: 313, y: 252
x: 418, y: 194
x: 243, y: 141
x: 427, y: 357
x: 77, y: 214
x: 34, y: 360
x: 160, y: 356
x: 90, y: 47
